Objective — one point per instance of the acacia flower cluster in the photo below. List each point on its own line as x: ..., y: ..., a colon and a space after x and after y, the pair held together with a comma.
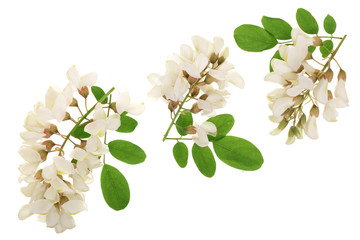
x: 200, y: 76
x: 303, y: 83
x: 55, y: 182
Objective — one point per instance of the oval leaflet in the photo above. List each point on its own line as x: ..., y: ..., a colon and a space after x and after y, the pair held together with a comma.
x: 114, y: 187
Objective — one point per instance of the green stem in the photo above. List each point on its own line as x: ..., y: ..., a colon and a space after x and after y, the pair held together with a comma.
x: 330, y: 37
x: 333, y: 55
x: 108, y: 113
x: 82, y: 119
x: 180, y: 108
x: 178, y: 138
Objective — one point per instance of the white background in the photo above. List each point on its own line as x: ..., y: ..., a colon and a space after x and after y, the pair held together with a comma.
x: 309, y: 190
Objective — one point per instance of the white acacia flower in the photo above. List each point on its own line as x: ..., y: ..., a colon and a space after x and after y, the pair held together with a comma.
x: 295, y: 55
x: 60, y: 166
x: 202, y: 132
x: 321, y: 91
x: 172, y: 85
x: 58, y: 218
x: 32, y: 158
x: 56, y: 101
x: 302, y: 83
x: 78, y: 82
x: 215, y: 99
x: 202, y: 45
x: 123, y: 104
x: 195, y: 68
x: 281, y: 104
x: 330, y: 114
x: 282, y: 72
x: 95, y: 146
x: 102, y: 122
x: 310, y: 128
x: 340, y: 90
x: 85, y: 161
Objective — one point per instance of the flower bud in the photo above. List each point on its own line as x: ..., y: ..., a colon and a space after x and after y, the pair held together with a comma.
x: 48, y: 144
x: 288, y: 112
x: 195, y: 108
x: 221, y: 60
x: 342, y: 75
x: 192, y: 80
x: 213, y: 58
x: 329, y: 75
x: 74, y: 103
x: 203, y: 97
x: 299, y: 99
x: 195, y: 91
x: 113, y: 106
x: 43, y: 155
x: 330, y: 95
x: 53, y: 128
x: 291, y: 136
x: 224, y: 55
x: 302, y: 120
x: 297, y: 132
x: 173, y: 105
x: 63, y: 200
x: 83, y: 144
x: 209, y: 79
x: 283, y: 124
x: 190, y: 130
x: 314, y: 111
x: 317, y: 42
x: 185, y: 74
x: 38, y: 175
x: 67, y: 116
x: 84, y: 91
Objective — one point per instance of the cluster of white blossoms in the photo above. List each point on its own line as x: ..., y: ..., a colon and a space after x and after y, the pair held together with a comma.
x: 190, y: 76
x: 55, y: 184
x: 301, y: 84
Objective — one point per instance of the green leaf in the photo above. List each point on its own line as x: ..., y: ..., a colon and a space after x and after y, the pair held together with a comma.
x: 277, y: 56
x: 79, y: 132
x: 306, y: 21
x: 115, y: 188
x: 311, y: 49
x: 128, y: 124
x: 98, y: 94
x: 238, y: 153
x: 326, y: 48
x: 126, y: 151
x: 204, y: 160
x: 252, y: 38
x: 181, y: 154
x: 185, y: 119
x: 223, y: 123
x: 329, y: 24
x: 277, y: 27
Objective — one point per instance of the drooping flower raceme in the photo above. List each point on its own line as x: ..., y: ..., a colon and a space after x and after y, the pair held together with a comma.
x: 306, y: 80
x: 196, y: 81
x: 200, y: 74
x: 55, y: 184
x: 301, y: 84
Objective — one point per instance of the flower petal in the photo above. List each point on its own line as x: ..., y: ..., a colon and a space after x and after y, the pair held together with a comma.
x: 122, y: 101
x: 52, y: 218
x: 135, y: 108
x: 24, y: 212
x: 88, y: 79
x: 63, y: 166
x: 41, y: 206
x: 74, y: 206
